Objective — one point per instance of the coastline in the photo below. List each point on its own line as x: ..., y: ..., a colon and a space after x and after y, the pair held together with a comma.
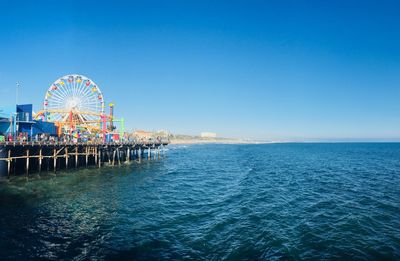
x: 214, y: 141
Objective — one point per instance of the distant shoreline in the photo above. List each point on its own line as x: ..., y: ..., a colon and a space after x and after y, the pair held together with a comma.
x: 214, y: 141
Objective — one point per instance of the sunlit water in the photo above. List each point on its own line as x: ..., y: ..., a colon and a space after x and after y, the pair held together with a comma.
x: 290, y: 201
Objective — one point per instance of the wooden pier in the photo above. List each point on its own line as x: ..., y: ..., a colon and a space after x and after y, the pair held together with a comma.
x: 30, y: 157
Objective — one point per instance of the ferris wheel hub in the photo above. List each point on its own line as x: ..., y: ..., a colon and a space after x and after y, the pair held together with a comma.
x: 73, y: 103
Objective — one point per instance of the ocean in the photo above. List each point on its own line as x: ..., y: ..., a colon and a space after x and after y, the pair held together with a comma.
x: 216, y: 202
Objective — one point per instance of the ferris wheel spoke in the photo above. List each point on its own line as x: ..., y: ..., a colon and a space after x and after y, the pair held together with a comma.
x: 54, y: 107
x: 91, y: 100
x: 86, y: 97
x: 90, y: 90
x: 68, y: 88
x: 53, y: 100
x: 90, y: 105
x: 51, y: 94
x: 76, y: 86
x: 74, y: 83
x: 57, y: 97
x: 89, y: 108
x: 62, y: 87
x: 87, y: 92
x: 57, y: 103
x: 82, y: 86
x: 58, y: 106
x: 63, y: 92
x: 71, y: 87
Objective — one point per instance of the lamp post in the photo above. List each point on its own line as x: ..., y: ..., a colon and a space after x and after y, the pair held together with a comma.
x: 16, y: 93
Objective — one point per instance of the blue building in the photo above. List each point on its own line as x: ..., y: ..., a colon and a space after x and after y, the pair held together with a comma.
x: 19, y: 120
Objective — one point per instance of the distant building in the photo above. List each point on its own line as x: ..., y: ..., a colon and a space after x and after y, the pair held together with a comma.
x: 208, y: 135
x: 143, y: 134
x: 162, y: 133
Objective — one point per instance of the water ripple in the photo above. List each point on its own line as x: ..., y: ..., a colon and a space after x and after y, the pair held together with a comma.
x: 233, y: 202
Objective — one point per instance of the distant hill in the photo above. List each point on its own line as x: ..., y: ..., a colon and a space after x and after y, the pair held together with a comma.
x: 187, y: 139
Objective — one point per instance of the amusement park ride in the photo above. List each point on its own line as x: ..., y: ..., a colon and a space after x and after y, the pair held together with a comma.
x: 75, y: 103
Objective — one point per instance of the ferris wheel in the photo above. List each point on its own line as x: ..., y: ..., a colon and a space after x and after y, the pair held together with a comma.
x: 74, y: 99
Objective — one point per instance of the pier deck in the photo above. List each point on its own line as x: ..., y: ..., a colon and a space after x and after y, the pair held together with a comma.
x: 29, y: 157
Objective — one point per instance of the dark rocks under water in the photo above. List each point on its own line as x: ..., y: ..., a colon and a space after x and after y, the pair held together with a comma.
x: 272, y: 201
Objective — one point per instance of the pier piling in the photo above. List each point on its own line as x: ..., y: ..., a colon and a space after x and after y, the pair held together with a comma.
x: 113, y: 158
x: 99, y: 158
x: 27, y: 161
x: 9, y: 160
x: 66, y: 157
x: 55, y: 160
x: 87, y: 156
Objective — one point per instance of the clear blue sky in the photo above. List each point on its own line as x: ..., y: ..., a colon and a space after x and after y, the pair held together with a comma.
x: 288, y: 70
